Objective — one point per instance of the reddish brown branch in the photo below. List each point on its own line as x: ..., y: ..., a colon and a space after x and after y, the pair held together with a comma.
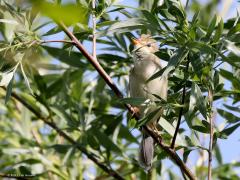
x: 89, y: 57
x: 118, y: 93
x: 94, y: 40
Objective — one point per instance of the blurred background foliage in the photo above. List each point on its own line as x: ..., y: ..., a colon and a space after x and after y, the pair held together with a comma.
x: 200, y: 50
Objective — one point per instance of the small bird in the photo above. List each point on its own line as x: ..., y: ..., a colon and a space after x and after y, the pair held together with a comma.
x: 146, y: 63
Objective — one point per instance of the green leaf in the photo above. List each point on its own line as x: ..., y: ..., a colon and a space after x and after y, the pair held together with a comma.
x: 54, y: 88
x: 67, y: 13
x: 178, y: 57
x: 219, y: 31
x: 9, y: 90
x: 72, y: 59
x: 61, y: 148
x: 201, y: 129
x: 9, y: 21
x: 197, y: 99
x: 205, y: 48
x: 52, y: 31
x: 228, y: 131
x: 186, y: 154
x: 211, y: 27
x: 125, y: 26
x: 229, y: 76
x: 133, y: 101
x: 232, y: 47
x: 229, y: 117
x: 126, y: 134
x: 232, y: 108
x: 26, y: 79
x: 218, y: 154
x: 105, y: 141
x: 234, y: 30
x: 31, y: 161
x: 6, y: 78
x: 152, y: 20
x: 170, y: 129
x: 150, y: 116
x: 61, y: 113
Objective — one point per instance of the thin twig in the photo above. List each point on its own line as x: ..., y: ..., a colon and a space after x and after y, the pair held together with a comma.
x: 94, y: 30
x: 90, y: 155
x: 17, y: 176
x: 181, y: 111
x: 186, y: 6
x: 60, y: 41
x: 118, y: 93
x: 210, y: 120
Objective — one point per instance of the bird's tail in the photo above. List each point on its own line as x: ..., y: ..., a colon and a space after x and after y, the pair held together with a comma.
x: 146, y: 151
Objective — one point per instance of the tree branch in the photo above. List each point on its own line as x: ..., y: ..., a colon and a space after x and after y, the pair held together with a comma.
x: 181, y: 110
x: 118, y: 93
x: 210, y: 120
x: 91, y: 156
x: 94, y: 30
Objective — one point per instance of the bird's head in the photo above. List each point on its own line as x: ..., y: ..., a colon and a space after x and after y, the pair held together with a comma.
x: 145, y: 44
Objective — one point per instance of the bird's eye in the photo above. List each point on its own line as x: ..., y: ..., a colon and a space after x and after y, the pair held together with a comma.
x: 148, y: 45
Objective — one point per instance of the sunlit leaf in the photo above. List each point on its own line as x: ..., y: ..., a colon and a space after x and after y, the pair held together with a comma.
x: 67, y: 13
x: 6, y: 78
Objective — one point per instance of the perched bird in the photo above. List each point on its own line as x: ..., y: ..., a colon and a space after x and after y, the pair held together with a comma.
x: 146, y: 63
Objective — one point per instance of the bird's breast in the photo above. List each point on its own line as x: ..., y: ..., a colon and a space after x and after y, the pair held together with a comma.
x: 144, y: 69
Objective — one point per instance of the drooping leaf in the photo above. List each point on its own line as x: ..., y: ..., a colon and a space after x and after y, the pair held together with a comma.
x: 197, y: 99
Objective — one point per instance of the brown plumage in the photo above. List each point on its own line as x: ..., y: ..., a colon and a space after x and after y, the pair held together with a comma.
x: 146, y: 63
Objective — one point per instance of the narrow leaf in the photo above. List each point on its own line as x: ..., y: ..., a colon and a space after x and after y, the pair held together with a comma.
x: 211, y: 27
x: 230, y: 117
x: 219, y: 31
x: 197, y: 99
x: 9, y: 90
x: 26, y: 79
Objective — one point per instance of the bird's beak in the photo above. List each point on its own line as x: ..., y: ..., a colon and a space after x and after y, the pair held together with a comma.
x: 135, y: 41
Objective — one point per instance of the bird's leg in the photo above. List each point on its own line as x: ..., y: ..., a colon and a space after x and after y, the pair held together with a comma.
x: 136, y: 111
x: 153, y: 127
